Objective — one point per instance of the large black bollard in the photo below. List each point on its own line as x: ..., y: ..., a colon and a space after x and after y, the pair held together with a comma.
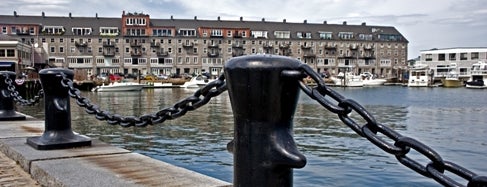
x: 7, y: 104
x: 263, y: 103
x: 57, y: 133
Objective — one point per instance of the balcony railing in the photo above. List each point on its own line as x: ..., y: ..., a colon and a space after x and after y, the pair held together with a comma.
x: 213, y: 54
x: 136, y: 53
x: 135, y: 44
x: 188, y: 45
x: 81, y: 44
x: 162, y: 53
x: 109, y: 53
x: 108, y: 44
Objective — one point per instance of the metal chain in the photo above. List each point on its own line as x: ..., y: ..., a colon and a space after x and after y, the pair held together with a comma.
x: 193, y: 102
x: 18, y: 98
x: 402, y: 144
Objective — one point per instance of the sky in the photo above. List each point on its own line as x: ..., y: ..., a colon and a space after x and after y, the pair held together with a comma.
x: 426, y: 24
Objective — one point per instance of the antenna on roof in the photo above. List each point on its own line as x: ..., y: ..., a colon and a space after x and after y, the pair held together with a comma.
x: 172, y: 18
x: 284, y: 20
x: 218, y: 18
x: 241, y: 18
x: 43, y: 15
x: 15, y: 14
x: 263, y: 19
x: 305, y: 21
x: 195, y: 18
x: 70, y: 15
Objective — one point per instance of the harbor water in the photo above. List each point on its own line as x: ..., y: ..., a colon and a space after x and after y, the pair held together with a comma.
x: 451, y: 121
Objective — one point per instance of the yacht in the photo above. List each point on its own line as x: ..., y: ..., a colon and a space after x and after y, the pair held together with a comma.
x: 478, y: 76
x: 119, y: 87
x: 419, y: 76
x: 452, y: 78
x: 197, y: 82
x: 369, y: 79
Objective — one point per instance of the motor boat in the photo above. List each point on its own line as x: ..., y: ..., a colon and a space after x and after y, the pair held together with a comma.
x: 347, y: 79
x: 119, y: 87
x: 369, y: 79
x: 197, y: 82
x: 419, y: 76
x: 478, y: 76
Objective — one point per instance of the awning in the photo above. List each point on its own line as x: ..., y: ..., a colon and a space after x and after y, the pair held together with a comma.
x: 6, y: 64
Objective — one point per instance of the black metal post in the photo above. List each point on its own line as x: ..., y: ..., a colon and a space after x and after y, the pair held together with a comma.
x: 263, y: 103
x: 7, y: 104
x: 57, y: 133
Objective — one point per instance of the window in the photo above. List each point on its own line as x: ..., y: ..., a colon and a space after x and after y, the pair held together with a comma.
x: 53, y: 30
x: 81, y: 31
x: 474, y: 56
x: 216, y: 32
x: 53, y: 50
x: 365, y: 37
x: 441, y: 57
x: 61, y: 49
x: 109, y: 31
x: 135, y: 21
x: 463, y: 56
x: 282, y: 34
x: 326, y: 35
x: 162, y: 32
x: 345, y: 35
x: 452, y: 56
x: 187, y: 32
x: 303, y: 35
x: 10, y: 53
x: 4, y: 30
x: 258, y: 34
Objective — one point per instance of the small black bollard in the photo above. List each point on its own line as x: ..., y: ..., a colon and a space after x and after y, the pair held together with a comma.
x: 7, y: 104
x: 57, y: 133
x: 263, y: 103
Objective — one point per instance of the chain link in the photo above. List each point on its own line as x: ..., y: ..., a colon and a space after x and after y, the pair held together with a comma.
x: 338, y: 104
x: 190, y: 103
x: 18, y: 98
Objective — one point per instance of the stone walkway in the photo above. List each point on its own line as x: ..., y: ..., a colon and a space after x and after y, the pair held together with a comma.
x: 11, y: 174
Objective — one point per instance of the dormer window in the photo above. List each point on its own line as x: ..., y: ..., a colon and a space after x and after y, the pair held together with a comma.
x: 53, y: 30
x: 259, y: 34
x: 109, y: 31
x: 81, y: 31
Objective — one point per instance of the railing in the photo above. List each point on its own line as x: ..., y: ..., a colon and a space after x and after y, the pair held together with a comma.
x: 263, y: 146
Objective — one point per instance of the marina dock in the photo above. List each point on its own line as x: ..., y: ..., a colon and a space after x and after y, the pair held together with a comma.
x: 97, y: 165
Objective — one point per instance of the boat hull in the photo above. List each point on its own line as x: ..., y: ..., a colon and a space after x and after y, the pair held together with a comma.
x: 119, y: 87
x: 452, y: 83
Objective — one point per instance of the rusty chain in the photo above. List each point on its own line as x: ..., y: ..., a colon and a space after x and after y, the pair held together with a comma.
x: 342, y: 106
x: 190, y: 103
x: 18, y: 98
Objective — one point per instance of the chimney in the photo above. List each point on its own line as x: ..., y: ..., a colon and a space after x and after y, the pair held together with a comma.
x: 70, y: 15
x: 305, y: 21
x: 263, y: 19
x: 43, y: 15
x: 325, y: 22
x: 218, y: 18
x: 172, y: 18
x: 195, y: 18
x: 15, y: 14
x: 363, y: 23
x: 284, y: 20
x: 96, y: 15
x: 344, y: 23
x: 123, y: 13
x: 241, y: 18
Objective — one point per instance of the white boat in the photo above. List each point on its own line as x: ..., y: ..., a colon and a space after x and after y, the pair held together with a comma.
x: 452, y: 78
x: 197, y: 82
x: 369, y: 79
x: 478, y: 76
x: 347, y: 79
x: 119, y: 87
x: 419, y: 76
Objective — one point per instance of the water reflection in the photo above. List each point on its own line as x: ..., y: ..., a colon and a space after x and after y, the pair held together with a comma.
x: 337, y: 156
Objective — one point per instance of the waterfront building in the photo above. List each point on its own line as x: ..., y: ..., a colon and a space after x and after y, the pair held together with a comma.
x: 138, y: 44
x: 14, y: 55
x: 440, y: 61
